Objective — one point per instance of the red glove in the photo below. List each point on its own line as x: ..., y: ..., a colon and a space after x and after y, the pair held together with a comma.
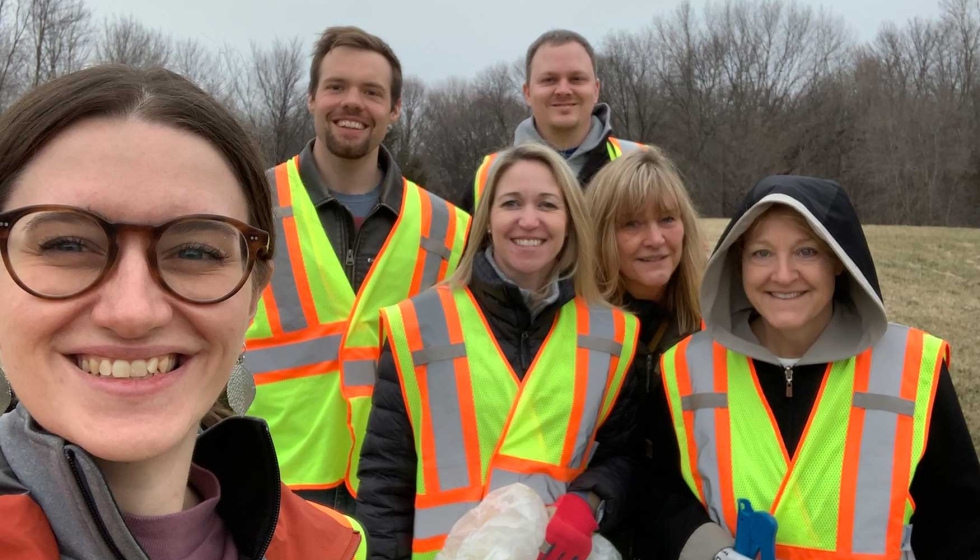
x: 569, y: 533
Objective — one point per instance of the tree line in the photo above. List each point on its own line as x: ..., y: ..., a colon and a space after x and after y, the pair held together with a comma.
x: 734, y: 91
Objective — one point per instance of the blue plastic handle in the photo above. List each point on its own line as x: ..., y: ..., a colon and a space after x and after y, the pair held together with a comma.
x: 756, y: 533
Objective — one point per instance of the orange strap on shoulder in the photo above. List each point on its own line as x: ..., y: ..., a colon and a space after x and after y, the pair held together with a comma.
x: 25, y: 531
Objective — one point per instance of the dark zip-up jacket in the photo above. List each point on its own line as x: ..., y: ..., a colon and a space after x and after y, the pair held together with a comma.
x: 386, y: 498
x: 55, y: 503
x: 356, y: 248
x: 946, y: 484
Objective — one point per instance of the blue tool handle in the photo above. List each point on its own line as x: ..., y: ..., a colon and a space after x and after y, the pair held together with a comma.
x: 756, y: 532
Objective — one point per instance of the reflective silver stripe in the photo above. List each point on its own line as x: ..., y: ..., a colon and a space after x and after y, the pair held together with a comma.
x: 601, y: 340
x: 887, y: 403
x: 436, y: 521
x: 360, y: 373
x: 427, y: 356
x: 435, y: 244
x: 600, y: 344
x: 287, y: 356
x: 698, y: 401
x: 701, y: 367
x: 284, y: 290
x: 546, y: 487
x: 876, y: 462
x: 444, y: 397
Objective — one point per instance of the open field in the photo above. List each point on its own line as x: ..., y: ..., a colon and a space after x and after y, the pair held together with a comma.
x: 930, y: 279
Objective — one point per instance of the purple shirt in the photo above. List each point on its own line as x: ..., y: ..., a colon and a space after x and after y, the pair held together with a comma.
x: 194, y: 534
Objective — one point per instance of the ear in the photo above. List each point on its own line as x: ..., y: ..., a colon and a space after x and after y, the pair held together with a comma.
x: 838, y: 267
x: 310, y: 102
x: 396, y: 111
x: 598, y: 87
x: 527, y: 93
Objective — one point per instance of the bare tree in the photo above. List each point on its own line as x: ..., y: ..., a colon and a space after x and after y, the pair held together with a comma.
x: 269, y: 92
x: 60, y: 33
x: 13, y: 27
x: 406, y: 136
x: 127, y: 41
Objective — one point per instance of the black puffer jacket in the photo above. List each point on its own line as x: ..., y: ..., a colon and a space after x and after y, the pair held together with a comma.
x: 386, y: 497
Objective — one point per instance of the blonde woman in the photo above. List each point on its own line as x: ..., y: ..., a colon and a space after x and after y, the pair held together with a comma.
x: 650, y: 260
x: 515, y: 370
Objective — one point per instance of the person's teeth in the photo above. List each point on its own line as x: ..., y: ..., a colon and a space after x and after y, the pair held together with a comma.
x: 528, y: 242
x: 790, y: 295
x: 138, y: 368
x: 120, y: 369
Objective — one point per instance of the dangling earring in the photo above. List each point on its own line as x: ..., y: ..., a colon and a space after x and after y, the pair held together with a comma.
x: 6, y: 393
x: 241, y: 386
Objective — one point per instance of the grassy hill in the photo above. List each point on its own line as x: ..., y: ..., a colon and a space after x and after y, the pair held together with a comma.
x: 930, y: 279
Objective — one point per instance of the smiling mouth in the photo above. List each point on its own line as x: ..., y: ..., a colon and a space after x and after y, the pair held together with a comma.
x: 350, y: 125
x: 652, y: 259
x: 785, y: 295
x: 100, y: 366
x: 528, y: 242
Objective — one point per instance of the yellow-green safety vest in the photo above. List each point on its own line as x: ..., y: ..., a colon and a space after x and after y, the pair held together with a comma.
x: 845, y: 493
x: 476, y: 426
x: 314, y: 343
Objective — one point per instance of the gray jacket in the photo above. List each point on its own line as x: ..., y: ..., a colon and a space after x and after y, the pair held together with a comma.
x: 67, y: 484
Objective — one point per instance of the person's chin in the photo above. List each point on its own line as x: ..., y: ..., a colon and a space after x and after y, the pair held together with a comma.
x: 131, y: 443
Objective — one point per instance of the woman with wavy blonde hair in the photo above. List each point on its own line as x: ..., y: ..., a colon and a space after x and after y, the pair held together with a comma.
x: 650, y: 261
x: 515, y: 370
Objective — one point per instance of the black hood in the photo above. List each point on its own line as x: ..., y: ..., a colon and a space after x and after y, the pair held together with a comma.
x: 859, y: 314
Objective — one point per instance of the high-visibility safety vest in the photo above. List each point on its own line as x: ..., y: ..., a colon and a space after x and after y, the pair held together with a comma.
x: 476, y: 427
x: 613, y: 147
x: 845, y: 493
x: 314, y: 344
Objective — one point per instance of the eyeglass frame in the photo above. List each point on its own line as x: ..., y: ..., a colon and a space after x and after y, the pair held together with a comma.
x: 256, y: 239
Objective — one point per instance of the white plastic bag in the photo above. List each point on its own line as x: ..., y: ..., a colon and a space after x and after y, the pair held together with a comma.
x: 509, y: 524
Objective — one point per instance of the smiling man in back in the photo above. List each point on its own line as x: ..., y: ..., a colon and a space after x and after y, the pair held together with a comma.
x: 562, y: 90
x: 353, y: 236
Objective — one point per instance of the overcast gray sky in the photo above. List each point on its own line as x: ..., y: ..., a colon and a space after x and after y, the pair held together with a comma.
x: 436, y: 39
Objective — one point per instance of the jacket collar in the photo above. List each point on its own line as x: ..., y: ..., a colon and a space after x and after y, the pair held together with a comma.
x: 508, y: 302
x: 67, y: 484
x: 392, y: 182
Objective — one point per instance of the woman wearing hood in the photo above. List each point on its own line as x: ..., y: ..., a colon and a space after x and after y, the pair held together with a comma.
x: 800, y: 397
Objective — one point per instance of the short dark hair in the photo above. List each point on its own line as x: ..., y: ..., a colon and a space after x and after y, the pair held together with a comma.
x: 355, y: 38
x: 558, y: 37
x: 154, y: 95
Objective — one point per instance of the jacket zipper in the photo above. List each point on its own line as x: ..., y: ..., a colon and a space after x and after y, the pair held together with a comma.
x: 275, y: 463
x: 649, y: 379
x: 90, y: 504
x: 789, y: 381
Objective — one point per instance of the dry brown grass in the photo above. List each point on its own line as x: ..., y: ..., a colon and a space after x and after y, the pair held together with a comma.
x: 930, y: 279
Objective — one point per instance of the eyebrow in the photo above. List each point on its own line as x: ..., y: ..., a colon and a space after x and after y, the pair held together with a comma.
x: 57, y: 217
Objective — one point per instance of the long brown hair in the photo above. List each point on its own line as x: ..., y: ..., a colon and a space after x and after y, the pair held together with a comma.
x: 630, y: 187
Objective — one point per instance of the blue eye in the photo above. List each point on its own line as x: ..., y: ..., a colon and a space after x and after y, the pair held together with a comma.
x: 65, y: 245
x: 762, y: 253
x: 199, y: 253
x: 808, y: 252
